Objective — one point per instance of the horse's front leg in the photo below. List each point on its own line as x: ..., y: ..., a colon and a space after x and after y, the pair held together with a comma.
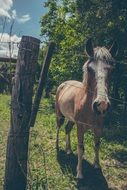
x: 97, y: 136
x: 80, y: 148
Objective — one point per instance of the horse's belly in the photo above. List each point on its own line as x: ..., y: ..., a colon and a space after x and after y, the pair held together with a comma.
x: 66, y: 105
x: 67, y: 110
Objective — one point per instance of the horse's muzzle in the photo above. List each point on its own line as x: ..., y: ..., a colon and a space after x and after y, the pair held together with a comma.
x: 101, y: 107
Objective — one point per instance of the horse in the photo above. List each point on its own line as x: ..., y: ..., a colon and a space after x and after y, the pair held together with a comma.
x: 85, y: 103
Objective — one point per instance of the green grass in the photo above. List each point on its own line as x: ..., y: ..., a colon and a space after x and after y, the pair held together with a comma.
x: 4, y: 126
x: 51, y: 171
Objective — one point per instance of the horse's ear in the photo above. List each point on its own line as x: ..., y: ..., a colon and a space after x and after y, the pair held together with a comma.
x: 114, y: 49
x: 89, y: 48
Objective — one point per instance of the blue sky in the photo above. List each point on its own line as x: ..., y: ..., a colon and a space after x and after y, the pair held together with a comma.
x: 33, y: 8
x: 26, y: 15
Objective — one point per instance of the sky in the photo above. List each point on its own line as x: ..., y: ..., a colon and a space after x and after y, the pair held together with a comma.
x: 26, y: 15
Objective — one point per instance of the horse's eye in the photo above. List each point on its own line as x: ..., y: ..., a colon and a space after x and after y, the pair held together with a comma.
x: 90, y: 68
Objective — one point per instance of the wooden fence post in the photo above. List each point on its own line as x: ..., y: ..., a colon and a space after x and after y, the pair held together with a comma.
x: 21, y: 102
x: 42, y: 82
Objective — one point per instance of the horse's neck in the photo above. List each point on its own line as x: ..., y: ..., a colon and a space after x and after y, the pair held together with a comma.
x: 88, y: 83
x: 89, y: 89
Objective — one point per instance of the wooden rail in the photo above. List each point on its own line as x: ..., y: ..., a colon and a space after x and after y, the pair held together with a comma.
x: 7, y: 59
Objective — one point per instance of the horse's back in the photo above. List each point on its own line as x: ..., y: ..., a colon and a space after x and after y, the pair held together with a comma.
x: 69, y: 88
x: 71, y: 84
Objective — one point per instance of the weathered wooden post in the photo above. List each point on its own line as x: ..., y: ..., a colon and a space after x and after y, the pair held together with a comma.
x: 42, y: 82
x: 18, y: 138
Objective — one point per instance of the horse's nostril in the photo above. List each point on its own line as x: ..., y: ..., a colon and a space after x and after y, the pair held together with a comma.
x: 101, y: 107
x: 109, y: 104
x: 95, y: 107
x: 104, y: 112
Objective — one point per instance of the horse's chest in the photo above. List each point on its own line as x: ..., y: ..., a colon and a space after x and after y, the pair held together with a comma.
x: 83, y: 114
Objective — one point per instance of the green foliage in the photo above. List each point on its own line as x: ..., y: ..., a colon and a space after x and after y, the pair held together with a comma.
x: 4, y: 126
x: 6, y: 73
x: 61, y: 25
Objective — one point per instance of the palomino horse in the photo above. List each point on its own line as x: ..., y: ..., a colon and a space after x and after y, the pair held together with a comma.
x: 85, y: 103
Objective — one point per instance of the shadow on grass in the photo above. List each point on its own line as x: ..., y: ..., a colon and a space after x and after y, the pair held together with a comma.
x: 121, y: 156
x: 118, y: 135
x: 93, y: 178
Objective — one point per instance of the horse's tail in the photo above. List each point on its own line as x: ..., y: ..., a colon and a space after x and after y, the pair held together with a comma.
x: 59, y: 115
x: 59, y: 90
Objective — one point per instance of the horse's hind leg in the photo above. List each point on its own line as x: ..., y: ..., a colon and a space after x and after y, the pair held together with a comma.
x: 59, y: 121
x: 68, y: 129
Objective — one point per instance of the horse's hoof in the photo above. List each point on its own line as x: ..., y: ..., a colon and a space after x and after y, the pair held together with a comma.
x: 69, y: 152
x: 79, y: 176
x: 57, y: 148
x: 97, y: 166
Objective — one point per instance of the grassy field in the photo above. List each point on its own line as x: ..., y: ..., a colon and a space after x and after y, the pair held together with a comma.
x: 49, y: 170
